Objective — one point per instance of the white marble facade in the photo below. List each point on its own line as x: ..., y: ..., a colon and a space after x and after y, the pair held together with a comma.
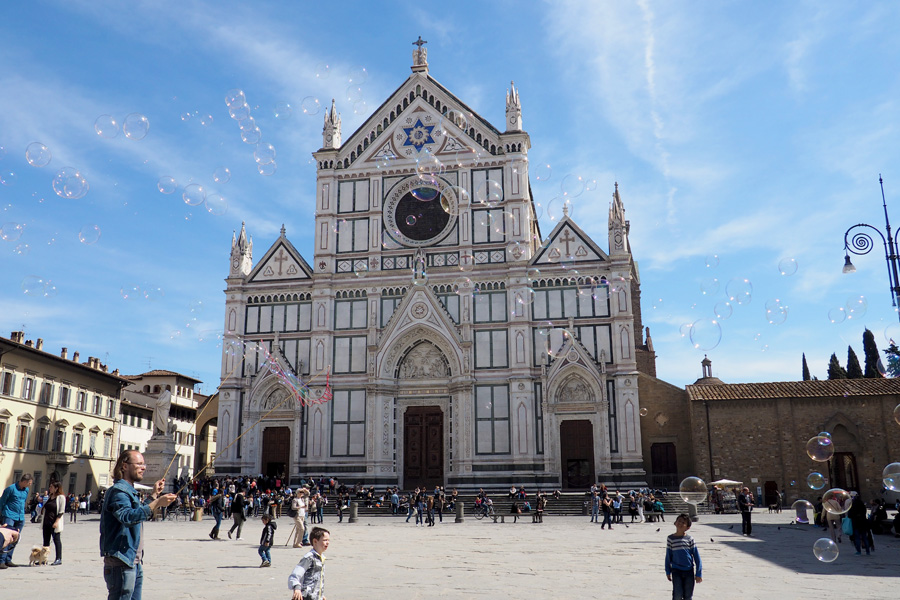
x: 441, y: 312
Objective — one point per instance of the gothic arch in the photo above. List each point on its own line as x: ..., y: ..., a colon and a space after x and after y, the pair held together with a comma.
x: 393, y: 355
x: 422, y: 361
x: 572, y: 378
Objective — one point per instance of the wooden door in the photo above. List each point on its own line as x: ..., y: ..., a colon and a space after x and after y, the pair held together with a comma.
x: 423, y: 447
x: 576, y: 441
x: 276, y: 451
x: 663, y: 466
x: 844, y: 474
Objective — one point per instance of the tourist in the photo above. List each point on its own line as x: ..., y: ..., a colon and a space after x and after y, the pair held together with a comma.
x: 121, y: 526
x: 683, y: 566
x: 745, y: 505
x: 216, y: 508
x: 267, y: 540
x: 606, y: 507
x: 595, y: 506
x: 298, y: 508
x: 12, y: 514
x: 307, y: 580
x: 238, y: 505
x: 857, y: 516
x: 73, y: 508
x: 54, y: 513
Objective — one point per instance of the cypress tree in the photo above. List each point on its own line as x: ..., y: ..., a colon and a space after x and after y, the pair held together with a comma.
x: 854, y: 371
x: 893, y: 359
x: 806, y: 376
x: 871, y: 352
x: 835, y: 370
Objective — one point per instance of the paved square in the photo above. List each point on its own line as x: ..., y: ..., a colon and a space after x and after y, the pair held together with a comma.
x: 565, y: 557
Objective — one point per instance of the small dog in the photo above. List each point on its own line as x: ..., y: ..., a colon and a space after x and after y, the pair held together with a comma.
x: 39, y: 555
x: 774, y: 508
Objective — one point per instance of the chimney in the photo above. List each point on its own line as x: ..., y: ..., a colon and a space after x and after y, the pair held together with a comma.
x: 40, y: 344
x: 65, y: 353
x: 17, y: 336
x: 104, y: 368
x: 29, y: 343
x: 116, y: 372
x: 75, y: 356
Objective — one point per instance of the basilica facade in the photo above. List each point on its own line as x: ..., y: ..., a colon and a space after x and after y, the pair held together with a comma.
x: 444, y: 338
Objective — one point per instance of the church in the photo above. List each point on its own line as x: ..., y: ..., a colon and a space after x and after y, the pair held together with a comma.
x: 445, y: 339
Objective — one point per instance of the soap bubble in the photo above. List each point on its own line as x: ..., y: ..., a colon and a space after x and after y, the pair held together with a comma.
x: 897, y: 414
x: 166, y: 184
x: 32, y: 285
x: 425, y: 193
x: 206, y: 120
x: 819, y: 448
x: 251, y: 135
x: 802, y: 505
x: 235, y: 96
x: 739, y: 290
x: 283, y: 110
x: 825, y: 434
x: 572, y: 186
x: 106, y: 126
x: 353, y: 93
x: 89, y: 234
x: 856, y: 307
x: 194, y: 194
x: 837, y: 314
x: 267, y: 169
x: 692, y: 490
x: 186, y: 116
x: 559, y: 207
x: 70, y: 184
x: 836, y: 501
x: 815, y: 480
x: 787, y: 266
x: 705, y: 334
x: 37, y: 154
x: 525, y: 297
x: 712, y: 261
x: 357, y: 75
x: 130, y: 291
x: 451, y: 198
x: 310, y: 106
x: 153, y: 292
x: 891, y: 476
x: 323, y: 71
x: 385, y: 160
x: 776, y: 311
x: 8, y: 178
x: 239, y: 112
x: 10, y: 232
x: 136, y: 126
x: 489, y: 193
x: 410, y: 220
x: 644, y: 412
x: 264, y: 153
x: 825, y: 550
x: 216, y: 204
x: 22, y: 249
x: 541, y: 172
x: 709, y: 286
x: 723, y: 310
x: 222, y: 175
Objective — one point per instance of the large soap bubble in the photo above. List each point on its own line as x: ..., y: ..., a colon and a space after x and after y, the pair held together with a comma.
x: 692, y: 490
x: 897, y: 414
x: 136, y: 126
x: 70, y: 184
x: 802, y: 508
x: 819, y: 448
x: 825, y: 550
x: 705, y: 334
x: 891, y: 476
x: 836, y: 501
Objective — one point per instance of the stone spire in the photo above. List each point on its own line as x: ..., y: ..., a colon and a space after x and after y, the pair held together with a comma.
x: 241, y: 254
x: 420, y: 56
x: 331, y: 131
x: 618, y: 226
x: 513, y: 109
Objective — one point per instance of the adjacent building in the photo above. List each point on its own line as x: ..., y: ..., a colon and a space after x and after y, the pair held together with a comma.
x: 58, y: 416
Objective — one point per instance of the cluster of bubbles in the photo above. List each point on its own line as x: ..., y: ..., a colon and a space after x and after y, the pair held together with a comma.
x: 854, y: 308
x: 355, y: 77
x: 32, y: 285
x: 205, y: 120
x: 135, y: 126
x: 776, y: 311
x: 239, y: 110
x: 145, y: 291
x: 194, y: 194
x: 70, y: 184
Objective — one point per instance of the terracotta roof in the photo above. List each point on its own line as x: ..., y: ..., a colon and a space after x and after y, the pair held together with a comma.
x: 795, y: 389
x: 162, y: 373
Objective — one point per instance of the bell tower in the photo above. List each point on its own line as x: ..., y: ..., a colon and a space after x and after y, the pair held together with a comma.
x: 331, y: 132
x: 241, y: 254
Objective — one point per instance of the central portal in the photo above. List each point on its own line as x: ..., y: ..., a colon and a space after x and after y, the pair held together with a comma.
x: 276, y: 451
x: 423, y: 447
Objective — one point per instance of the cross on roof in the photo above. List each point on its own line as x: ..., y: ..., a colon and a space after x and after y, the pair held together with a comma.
x: 280, y: 259
x: 420, y: 42
x: 567, y: 238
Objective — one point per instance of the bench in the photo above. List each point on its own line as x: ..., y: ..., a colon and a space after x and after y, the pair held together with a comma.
x: 654, y: 515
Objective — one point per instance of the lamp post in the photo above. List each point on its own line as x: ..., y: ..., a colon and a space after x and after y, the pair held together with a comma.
x: 861, y: 242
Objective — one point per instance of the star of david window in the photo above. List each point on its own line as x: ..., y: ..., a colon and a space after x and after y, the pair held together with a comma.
x: 418, y: 135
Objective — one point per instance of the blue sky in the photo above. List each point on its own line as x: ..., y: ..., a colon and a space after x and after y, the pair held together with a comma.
x: 743, y: 136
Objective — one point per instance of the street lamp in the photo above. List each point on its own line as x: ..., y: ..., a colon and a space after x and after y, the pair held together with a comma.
x: 862, y: 243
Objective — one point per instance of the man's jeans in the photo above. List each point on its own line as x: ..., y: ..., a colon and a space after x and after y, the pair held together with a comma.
x: 124, y: 583
x: 6, y: 555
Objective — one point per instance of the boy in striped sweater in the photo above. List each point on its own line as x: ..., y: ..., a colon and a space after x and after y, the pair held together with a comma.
x: 682, y: 560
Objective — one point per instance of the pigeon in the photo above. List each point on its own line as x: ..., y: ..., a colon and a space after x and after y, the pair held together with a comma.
x: 712, y: 540
x: 626, y: 527
x: 732, y: 527
x: 658, y: 528
x: 779, y: 528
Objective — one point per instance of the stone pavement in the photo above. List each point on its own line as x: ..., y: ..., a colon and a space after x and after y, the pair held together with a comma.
x: 383, y: 557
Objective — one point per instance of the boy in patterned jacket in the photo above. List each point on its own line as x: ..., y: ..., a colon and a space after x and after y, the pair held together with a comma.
x: 307, y: 580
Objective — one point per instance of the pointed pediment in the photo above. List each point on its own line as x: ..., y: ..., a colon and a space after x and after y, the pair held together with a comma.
x: 281, y: 263
x: 420, y: 307
x: 568, y: 241
x: 420, y: 118
x: 571, y: 353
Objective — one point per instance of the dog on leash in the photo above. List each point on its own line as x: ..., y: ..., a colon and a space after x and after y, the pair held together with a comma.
x: 774, y: 508
x: 39, y: 555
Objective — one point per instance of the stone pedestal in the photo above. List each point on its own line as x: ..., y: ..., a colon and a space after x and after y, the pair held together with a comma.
x: 158, y: 455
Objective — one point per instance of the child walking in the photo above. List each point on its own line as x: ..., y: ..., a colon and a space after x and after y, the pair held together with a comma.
x: 307, y: 580
x: 266, y: 540
x: 682, y: 559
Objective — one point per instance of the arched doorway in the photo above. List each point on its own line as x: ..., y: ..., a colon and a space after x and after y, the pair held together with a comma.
x: 576, y: 450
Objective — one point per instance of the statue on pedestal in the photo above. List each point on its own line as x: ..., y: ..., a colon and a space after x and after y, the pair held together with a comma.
x: 161, y: 424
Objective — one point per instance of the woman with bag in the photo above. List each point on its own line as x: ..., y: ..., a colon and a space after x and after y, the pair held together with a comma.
x: 54, y: 511
x: 857, y: 514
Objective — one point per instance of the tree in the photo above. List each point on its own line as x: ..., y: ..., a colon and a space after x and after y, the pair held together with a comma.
x: 854, y: 371
x: 871, y: 352
x: 893, y: 359
x: 835, y: 370
x: 806, y: 376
